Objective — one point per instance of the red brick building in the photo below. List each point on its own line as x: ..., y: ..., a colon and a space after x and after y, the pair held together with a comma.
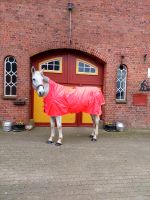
x: 102, y: 43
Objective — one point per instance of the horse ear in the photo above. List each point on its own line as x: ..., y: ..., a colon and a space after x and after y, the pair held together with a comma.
x: 41, y: 71
x: 32, y: 69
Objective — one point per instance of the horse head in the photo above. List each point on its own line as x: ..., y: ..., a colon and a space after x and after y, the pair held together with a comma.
x: 38, y: 81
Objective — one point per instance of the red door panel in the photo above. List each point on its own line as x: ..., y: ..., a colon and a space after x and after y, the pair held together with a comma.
x: 82, y: 79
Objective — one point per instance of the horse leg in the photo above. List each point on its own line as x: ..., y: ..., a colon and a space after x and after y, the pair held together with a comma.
x: 59, y: 127
x: 52, y: 122
x: 96, y: 123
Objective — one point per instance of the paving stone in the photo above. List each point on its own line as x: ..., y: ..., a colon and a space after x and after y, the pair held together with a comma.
x: 116, y: 167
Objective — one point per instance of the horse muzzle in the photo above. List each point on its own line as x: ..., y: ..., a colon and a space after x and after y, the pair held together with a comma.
x: 41, y: 93
x: 40, y: 90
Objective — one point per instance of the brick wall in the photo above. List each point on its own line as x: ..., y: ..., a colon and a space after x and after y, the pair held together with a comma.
x: 106, y: 29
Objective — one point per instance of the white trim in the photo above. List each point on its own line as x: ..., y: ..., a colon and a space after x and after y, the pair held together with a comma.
x: 148, y: 73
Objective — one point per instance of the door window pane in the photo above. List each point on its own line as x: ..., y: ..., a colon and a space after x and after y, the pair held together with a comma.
x: 82, y: 67
x: 52, y: 66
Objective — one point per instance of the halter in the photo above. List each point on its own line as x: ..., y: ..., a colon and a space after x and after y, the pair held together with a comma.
x: 37, y: 87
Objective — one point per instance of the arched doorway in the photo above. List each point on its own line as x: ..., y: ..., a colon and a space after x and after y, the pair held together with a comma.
x: 70, y: 68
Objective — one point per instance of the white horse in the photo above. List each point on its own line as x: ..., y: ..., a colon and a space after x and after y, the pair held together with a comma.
x: 44, y: 86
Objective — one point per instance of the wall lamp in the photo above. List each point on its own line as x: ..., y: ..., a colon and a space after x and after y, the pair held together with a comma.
x: 70, y: 6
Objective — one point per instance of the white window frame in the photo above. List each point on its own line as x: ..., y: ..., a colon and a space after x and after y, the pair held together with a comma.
x: 10, y: 73
x: 121, y: 83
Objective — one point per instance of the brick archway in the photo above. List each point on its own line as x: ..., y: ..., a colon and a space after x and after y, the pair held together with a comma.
x: 76, y: 45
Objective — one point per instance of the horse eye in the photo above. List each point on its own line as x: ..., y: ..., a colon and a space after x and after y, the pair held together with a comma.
x: 33, y: 79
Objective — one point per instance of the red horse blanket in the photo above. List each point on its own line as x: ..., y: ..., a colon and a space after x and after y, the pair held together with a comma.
x: 62, y: 100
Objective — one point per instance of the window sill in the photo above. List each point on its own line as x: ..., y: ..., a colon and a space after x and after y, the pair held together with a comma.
x: 9, y: 97
x: 121, y: 101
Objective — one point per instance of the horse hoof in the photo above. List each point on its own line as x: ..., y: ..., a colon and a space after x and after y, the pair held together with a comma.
x: 58, y: 144
x: 49, y: 142
x: 93, y: 139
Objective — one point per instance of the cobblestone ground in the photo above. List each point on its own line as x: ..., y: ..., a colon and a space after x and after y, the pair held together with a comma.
x: 116, y: 167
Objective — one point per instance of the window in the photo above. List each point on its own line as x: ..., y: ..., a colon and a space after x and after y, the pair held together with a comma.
x: 121, y: 83
x: 54, y: 66
x: 86, y: 68
x: 10, y: 77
